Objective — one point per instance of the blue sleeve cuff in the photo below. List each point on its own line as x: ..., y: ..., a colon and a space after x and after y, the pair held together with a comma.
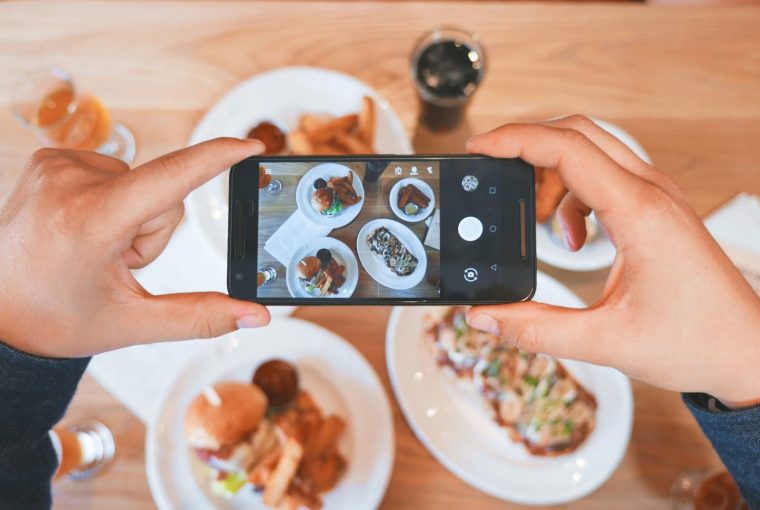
x: 735, y: 435
x: 34, y: 395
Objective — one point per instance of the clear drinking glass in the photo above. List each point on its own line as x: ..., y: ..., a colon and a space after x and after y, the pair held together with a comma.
x: 447, y: 67
x: 270, y: 185
x: 83, y: 449
x: 48, y: 102
x: 266, y: 275
x: 705, y: 489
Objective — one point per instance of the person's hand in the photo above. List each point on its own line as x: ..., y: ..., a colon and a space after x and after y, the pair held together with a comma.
x: 72, y: 229
x: 674, y: 312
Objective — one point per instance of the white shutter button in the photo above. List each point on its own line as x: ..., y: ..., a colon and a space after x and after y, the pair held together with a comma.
x: 470, y: 228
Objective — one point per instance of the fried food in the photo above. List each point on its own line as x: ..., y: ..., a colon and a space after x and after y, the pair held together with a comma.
x: 353, y: 133
x: 367, y: 122
x: 410, y: 194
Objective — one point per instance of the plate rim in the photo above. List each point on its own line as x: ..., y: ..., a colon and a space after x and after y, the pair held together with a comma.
x: 161, y: 498
x: 472, y: 480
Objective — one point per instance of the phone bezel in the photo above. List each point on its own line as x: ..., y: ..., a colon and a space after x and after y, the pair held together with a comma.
x: 235, y: 194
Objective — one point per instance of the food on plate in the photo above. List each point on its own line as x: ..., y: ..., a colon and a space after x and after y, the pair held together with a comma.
x: 288, y: 452
x: 396, y: 257
x: 411, y: 200
x: 321, y: 275
x: 532, y: 395
x: 353, y: 133
x: 332, y: 196
x: 270, y: 135
x: 278, y: 380
x: 549, y: 193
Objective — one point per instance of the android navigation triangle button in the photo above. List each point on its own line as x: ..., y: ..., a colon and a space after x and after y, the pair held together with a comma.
x: 493, y: 267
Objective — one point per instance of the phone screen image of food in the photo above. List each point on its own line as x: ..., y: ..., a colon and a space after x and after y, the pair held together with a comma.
x: 359, y: 229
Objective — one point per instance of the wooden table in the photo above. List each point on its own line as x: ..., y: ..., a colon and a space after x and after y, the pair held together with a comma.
x: 684, y: 81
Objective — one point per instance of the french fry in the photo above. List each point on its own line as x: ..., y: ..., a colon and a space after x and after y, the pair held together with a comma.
x: 283, y: 474
x: 310, y: 123
x: 330, y: 430
x: 367, y: 121
x: 329, y: 130
x: 328, y: 149
x: 260, y: 472
x: 352, y: 144
x: 300, y: 144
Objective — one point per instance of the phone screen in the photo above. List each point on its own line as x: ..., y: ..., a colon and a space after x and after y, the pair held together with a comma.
x: 382, y: 230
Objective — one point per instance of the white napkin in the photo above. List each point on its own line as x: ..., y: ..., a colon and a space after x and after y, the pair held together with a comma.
x: 138, y: 376
x: 736, y: 227
x: 291, y: 235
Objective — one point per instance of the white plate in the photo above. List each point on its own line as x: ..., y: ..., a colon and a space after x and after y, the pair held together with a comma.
x: 423, y: 187
x: 599, y: 253
x: 282, y: 95
x: 305, y: 190
x: 342, y: 255
x: 374, y: 265
x: 448, y: 417
x: 336, y: 374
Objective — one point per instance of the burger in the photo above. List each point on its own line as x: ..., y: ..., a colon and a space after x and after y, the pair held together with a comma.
x: 326, y: 201
x: 230, y: 433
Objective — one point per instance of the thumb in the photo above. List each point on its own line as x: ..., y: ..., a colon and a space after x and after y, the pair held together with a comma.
x: 538, y: 327
x: 197, y: 315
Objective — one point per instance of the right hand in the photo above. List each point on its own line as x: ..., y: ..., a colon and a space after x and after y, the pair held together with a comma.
x: 674, y: 312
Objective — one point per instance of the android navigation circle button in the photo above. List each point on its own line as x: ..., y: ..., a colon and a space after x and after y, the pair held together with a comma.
x: 470, y: 228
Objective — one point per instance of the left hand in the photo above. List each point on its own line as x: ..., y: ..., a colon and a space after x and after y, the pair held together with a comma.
x: 71, y: 231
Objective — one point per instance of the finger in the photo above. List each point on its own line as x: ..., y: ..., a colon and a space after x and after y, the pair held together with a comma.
x: 152, y: 238
x: 161, y: 184
x: 595, y: 178
x: 572, y: 214
x: 195, y: 315
x: 537, y: 327
x: 617, y: 150
x: 99, y: 161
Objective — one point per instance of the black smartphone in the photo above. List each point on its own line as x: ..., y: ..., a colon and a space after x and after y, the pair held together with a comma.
x: 382, y: 229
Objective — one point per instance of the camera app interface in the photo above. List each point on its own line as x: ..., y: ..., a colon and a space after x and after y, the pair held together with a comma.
x: 363, y: 229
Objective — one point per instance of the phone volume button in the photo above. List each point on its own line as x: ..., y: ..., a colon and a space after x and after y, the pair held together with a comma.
x: 239, y: 230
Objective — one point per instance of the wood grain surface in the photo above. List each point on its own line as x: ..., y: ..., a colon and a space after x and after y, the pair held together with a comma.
x: 682, y: 81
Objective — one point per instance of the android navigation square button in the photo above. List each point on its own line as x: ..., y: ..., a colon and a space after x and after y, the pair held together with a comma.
x: 470, y: 228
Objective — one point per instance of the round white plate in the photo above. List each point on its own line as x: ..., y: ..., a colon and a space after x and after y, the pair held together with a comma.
x: 282, y: 96
x: 338, y: 377
x: 305, y: 190
x: 447, y: 415
x: 423, y: 187
x: 342, y: 255
x: 599, y: 253
x: 374, y: 265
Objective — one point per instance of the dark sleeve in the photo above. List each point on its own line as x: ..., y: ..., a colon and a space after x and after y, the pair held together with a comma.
x: 735, y: 435
x: 34, y: 394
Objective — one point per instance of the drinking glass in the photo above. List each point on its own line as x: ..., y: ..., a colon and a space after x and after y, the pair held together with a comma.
x: 266, y: 275
x: 447, y: 67
x: 48, y: 101
x: 270, y: 185
x: 83, y: 449
x: 705, y: 489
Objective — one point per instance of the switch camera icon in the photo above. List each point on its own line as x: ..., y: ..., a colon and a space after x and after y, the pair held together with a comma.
x: 470, y: 275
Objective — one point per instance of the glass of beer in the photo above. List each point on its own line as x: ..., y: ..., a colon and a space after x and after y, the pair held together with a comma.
x: 48, y: 102
x: 447, y: 68
x: 704, y: 489
x: 83, y: 449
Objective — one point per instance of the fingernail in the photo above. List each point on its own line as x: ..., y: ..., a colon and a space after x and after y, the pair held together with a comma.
x: 250, y: 321
x: 485, y: 323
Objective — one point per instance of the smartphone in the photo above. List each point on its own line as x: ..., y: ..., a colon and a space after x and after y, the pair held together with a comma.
x: 381, y: 229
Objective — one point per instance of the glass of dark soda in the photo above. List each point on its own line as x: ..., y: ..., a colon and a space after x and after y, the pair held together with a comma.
x: 447, y: 66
